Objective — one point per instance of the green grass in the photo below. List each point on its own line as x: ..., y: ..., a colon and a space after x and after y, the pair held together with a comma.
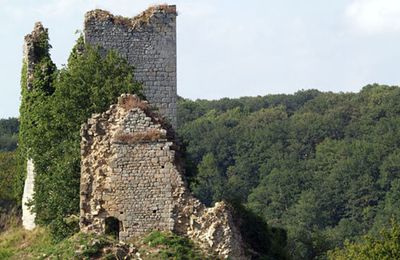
x: 170, y: 246
x: 19, y: 244
x: 80, y: 246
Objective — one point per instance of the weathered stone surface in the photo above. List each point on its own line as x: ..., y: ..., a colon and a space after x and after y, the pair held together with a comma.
x: 31, y: 45
x: 130, y: 171
x: 28, y: 217
x: 148, y: 42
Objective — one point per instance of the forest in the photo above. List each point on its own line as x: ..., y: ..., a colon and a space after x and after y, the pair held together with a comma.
x: 325, y: 167
x: 319, y: 171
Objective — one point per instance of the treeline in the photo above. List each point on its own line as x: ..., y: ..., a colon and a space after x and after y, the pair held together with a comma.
x: 323, y: 166
x: 8, y: 134
x: 8, y: 143
x: 8, y: 195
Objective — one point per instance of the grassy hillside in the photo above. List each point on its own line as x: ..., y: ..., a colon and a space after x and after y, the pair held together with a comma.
x: 19, y: 244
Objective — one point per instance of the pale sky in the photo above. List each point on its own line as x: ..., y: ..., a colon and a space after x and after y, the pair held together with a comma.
x: 232, y: 48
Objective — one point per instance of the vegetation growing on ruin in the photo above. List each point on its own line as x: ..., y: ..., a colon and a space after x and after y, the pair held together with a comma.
x: 151, y: 135
x: 51, y: 116
x: 323, y: 166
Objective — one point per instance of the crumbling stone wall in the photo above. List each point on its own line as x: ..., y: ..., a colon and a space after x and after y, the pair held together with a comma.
x: 30, y: 50
x: 130, y: 171
x: 148, y: 42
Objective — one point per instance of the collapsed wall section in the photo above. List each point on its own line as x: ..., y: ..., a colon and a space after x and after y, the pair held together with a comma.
x: 130, y: 171
x: 147, y: 42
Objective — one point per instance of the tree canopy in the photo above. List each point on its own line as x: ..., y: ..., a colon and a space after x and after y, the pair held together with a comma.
x: 323, y: 166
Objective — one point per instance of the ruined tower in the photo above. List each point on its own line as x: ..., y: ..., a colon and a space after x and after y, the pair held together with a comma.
x: 131, y: 179
x: 147, y: 42
x: 31, y: 56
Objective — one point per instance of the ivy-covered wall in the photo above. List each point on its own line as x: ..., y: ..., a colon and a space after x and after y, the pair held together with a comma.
x: 54, y: 105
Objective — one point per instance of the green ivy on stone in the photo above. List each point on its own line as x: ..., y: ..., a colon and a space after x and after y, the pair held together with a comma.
x: 52, y: 113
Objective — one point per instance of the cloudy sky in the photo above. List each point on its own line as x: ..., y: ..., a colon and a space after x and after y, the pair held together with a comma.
x: 233, y: 48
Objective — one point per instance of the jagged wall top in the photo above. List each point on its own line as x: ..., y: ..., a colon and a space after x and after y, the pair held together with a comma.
x: 134, y: 22
x: 30, y: 50
x: 148, y: 42
x: 36, y: 34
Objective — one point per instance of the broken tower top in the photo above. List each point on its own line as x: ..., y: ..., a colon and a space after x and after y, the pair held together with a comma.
x: 148, y: 42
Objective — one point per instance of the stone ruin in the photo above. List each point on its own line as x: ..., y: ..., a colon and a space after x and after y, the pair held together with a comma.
x: 131, y: 177
x: 30, y: 49
x: 131, y: 174
x: 147, y: 42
